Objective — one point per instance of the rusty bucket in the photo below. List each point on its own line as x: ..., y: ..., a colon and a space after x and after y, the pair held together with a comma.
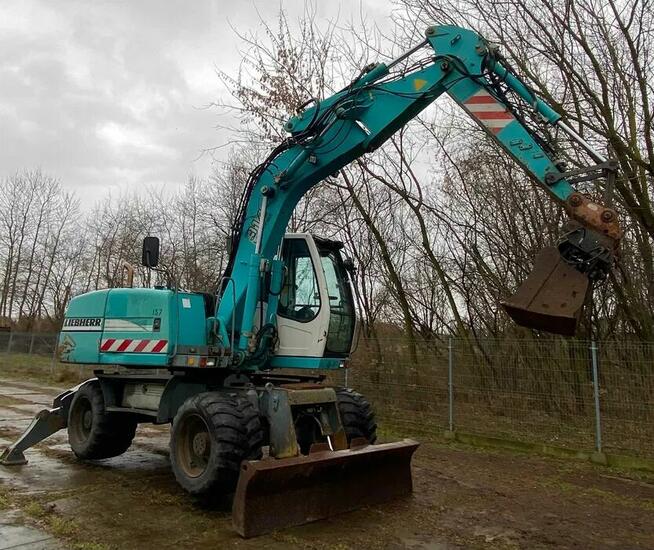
x: 276, y: 493
x: 552, y: 297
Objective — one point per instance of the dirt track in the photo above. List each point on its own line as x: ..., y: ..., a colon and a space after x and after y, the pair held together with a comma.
x: 464, y: 498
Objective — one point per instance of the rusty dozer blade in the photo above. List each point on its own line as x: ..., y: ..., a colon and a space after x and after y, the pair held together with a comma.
x: 552, y: 297
x: 276, y: 493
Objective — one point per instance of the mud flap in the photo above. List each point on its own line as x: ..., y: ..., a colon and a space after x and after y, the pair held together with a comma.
x: 277, y: 493
x: 552, y: 297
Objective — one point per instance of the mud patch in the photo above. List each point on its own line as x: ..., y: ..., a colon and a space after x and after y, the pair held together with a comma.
x: 463, y: 498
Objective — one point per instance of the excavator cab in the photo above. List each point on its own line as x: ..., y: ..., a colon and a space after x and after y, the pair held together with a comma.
x: 315, y: 315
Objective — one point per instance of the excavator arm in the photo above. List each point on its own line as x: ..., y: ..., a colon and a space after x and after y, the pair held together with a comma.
x: 326, y: 135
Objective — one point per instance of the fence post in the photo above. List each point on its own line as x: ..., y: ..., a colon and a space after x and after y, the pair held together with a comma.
x: 449, y: 434
x: 598, y: 455
x: 54, y: 357
x: 31, y: 344
x: 11, y: 337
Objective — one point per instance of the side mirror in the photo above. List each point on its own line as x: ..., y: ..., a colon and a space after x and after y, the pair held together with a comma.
x: 150, y: 257
x: 348, y: 264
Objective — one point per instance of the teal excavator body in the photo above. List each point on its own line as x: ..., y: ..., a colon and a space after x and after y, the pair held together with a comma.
x: 136, y: 327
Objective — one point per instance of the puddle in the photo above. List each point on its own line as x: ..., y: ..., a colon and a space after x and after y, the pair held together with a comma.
x: 14, y: 536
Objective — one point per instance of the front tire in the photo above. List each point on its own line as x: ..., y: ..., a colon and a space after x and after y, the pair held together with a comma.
x: 357, y: 416
x: 92, y: 432
x: 212, y: 434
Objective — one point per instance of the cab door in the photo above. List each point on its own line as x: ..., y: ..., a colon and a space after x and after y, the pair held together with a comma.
x: 303, y: 310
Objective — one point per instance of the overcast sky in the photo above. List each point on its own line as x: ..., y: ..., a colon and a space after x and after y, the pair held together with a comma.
x: 109, y: 96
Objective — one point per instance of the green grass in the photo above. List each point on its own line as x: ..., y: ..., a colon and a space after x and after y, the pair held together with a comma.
x: 61, y: 527
x: 34, y: 509
x: 39, y: 368
x: 5, y: 503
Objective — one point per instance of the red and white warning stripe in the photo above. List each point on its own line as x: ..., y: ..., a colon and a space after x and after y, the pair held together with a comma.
x: 127, y: 345
x: 490, y: 112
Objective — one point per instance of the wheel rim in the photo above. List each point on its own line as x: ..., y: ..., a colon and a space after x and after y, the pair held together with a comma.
x: 81, y: 422
x: 193, y: 447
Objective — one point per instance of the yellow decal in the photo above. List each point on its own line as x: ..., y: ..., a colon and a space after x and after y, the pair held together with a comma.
x: 419, y: 84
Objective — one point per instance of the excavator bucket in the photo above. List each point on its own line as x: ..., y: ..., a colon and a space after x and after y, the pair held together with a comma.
x: 277, y: 493
x: 551, y: 298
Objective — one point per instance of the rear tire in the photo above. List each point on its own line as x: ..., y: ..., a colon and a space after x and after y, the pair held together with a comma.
x: 212, y: 434
x: 92, y: 432
x: 357, y: 416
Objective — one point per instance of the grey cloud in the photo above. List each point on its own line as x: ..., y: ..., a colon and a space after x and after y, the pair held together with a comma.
x: 105, y: 95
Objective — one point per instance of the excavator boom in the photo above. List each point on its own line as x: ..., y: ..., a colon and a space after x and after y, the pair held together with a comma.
x: 332, y: 132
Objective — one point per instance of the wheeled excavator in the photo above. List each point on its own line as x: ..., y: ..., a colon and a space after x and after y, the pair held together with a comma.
x: 245, y: 368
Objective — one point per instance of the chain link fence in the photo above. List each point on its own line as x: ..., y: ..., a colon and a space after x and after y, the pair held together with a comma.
x: 565, y: 393
x: 30, y: 343
x: 32, y: 356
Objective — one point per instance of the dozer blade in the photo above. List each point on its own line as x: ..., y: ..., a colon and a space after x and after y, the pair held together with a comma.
x: 276, y: 493
x: 551, y: 298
